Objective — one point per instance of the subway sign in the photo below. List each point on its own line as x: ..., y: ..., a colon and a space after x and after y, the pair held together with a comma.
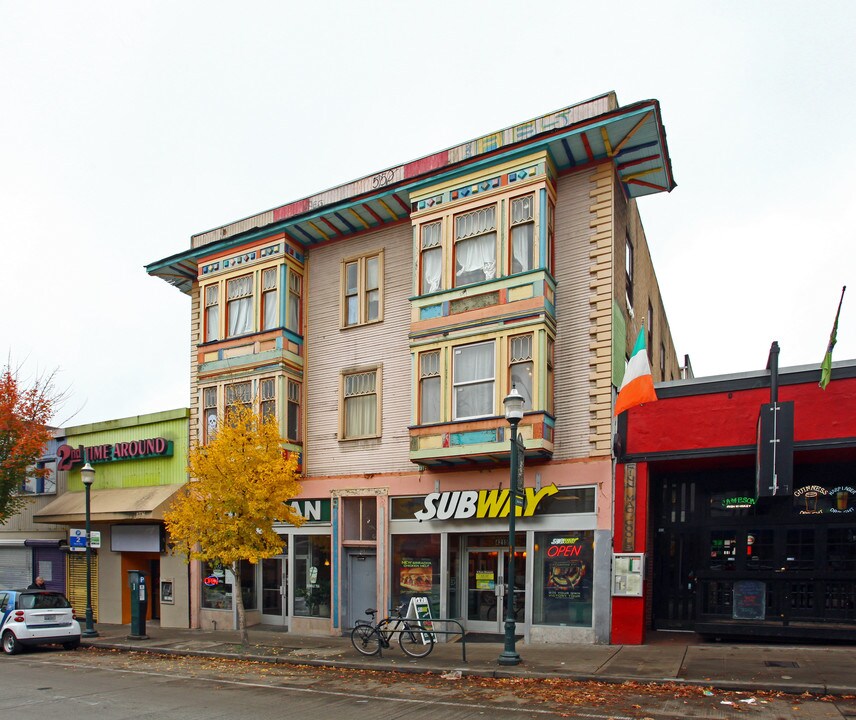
x: 67, y: 456
x: 465, y: 504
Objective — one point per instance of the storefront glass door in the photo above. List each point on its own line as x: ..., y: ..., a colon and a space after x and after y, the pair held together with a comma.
x: 487, y: 570
x: 274, y: 577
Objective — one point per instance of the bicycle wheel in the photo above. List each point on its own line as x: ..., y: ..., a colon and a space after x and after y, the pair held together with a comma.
x: 366, y: 639
x: 416, y: 640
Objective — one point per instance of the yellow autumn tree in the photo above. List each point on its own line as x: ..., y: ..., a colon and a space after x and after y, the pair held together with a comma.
x: 240, y: 484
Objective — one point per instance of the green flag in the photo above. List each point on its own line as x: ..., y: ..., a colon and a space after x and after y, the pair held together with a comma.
x: 826, y: 365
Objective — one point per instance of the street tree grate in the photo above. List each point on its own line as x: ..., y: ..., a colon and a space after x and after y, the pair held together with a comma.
x: 781, y: 663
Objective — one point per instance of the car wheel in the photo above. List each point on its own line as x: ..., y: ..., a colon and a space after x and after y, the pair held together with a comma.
x: 11, y: 646
x: 71, y: 644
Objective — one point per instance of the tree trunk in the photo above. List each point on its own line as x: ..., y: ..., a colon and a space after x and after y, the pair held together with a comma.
x: 239, y: 603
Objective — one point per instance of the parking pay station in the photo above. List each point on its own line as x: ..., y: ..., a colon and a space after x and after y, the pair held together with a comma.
x: 139, y: 604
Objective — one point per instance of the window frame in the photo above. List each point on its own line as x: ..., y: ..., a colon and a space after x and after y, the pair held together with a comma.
x: 629, y: 259
x: 292, y: 400
x: 434, y: 249
x: 434, y: 377
x: 376, y: 370
x: 295, y: 295
x: 267, y: 397
x: 208, y: 430
x: 210, y: 308
x: 520, y: 362
x: 361, y: 291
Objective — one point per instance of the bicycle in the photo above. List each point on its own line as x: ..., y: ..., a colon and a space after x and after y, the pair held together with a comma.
x: 415, y: 639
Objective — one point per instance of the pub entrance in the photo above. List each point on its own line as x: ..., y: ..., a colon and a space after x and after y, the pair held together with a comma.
x: 729, y: 564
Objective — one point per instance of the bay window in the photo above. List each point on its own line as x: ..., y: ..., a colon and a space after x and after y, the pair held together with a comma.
x: 239, y: 306
x: 270, y: 299
x: 239, y: 394
x: 521, y: 367
x: 292, y: 421
x: 475, y: 246
x: 429, y: 387
x: 473, y: 380
x: 522, y: 233
x: 209, y: 413
x: 212, y: 313
x: 431, y: 258
x: 267, y: 398
x: 295, y: 282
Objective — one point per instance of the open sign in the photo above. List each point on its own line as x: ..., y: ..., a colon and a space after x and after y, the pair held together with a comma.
x: 211, y: 580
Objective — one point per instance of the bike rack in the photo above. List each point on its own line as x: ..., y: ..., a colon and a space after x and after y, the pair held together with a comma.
x: 434, y: 631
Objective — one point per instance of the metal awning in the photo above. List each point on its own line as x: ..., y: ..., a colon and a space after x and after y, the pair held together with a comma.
x: 145, y: 503
x: 631, y: 137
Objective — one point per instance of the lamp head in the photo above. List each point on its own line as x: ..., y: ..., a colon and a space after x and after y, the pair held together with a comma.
x: 514, y: 403
x: 87, y: 474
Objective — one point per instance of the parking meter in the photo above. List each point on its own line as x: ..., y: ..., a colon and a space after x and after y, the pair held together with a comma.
x: 139, y: 603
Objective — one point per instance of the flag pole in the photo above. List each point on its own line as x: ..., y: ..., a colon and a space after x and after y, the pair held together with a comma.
x: 826, y: 365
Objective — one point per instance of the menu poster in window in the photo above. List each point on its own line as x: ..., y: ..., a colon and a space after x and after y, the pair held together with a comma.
x: 750, y: 600
x: 485, y: 580
x: 566, y: 567
x: 416, y: 575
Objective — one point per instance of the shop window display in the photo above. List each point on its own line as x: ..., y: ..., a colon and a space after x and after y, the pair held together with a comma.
x: 563, y: 578
x: 216, y: 587
x: 416, y: 569
x: 312, y: 575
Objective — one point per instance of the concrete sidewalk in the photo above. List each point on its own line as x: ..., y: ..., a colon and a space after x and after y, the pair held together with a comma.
x: 787, y: 668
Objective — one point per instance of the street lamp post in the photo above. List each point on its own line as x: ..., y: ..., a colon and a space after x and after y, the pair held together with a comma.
x: 513, y: 413
x: 87, y: 476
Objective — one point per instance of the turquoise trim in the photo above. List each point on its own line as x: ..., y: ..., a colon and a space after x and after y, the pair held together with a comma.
x: 542, y: 230
x: 334, y: 558
x: 473, y: 437
x: 283, y: 293
x: 431, y: 311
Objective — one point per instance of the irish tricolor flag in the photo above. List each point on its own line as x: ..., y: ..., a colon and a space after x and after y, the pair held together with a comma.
x: 638, y: 385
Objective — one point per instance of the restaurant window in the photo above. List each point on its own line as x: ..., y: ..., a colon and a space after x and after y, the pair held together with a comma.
x: 267, y: 398
x: 360, y: 518
x: 562, y: 592
x: 292, y: 421
x: 216, y: 587
x: 239, y: 305
x: 475, y: 246
x: 431, y: 258
x: 416, y: 569
x: 473, y: 380
x: 295, y: 290
x: 360, y: 405
x: 522, y: 233
x: 312, y: 575
x: 429, y: 387
x: 362, y: 287
x: 209, y: 413
x: 212, y: 313
x: 521, y: 367
x: 270, y: 299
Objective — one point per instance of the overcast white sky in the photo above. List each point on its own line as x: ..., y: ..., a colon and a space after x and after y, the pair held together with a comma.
x: 127, y: 127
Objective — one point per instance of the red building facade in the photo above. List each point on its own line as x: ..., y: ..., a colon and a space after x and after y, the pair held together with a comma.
x: 719, y: 559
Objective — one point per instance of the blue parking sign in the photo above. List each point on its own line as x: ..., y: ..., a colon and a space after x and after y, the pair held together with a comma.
x: 76, y: 539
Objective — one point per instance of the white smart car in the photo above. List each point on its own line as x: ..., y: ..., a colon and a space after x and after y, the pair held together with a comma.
x: 36, y: 617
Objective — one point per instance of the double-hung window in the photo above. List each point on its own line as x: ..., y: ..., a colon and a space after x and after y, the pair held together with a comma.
x: 522, y: 233
x: 295, y: 283
x: 267, y: 398
x: 551, y: 381
x: 292, y: 420
x: 360, y: 404
x: 473, y: 379
x: 431, y: 258
x: 363, y: 284
x: 209, y: 413
x: 429, y: 387
x: 521, y: 367
x: 475, y: 246
x: 628, y: 269
x: 239, y: 307
x: 212, y: 313
x: 270, y: 299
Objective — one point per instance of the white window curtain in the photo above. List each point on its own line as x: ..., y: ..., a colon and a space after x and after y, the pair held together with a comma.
x: 432, y: 258
x: 521, y: 247
x: 474, y: 380
x: 475, y: 246
x: 360, y: 405
x: 270, y: 295
x: 239, y: 292
x: 293, y: 321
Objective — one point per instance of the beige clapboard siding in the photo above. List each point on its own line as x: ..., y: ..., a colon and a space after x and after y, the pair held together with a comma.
x: 331, y: 349
x: 575, y: 241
